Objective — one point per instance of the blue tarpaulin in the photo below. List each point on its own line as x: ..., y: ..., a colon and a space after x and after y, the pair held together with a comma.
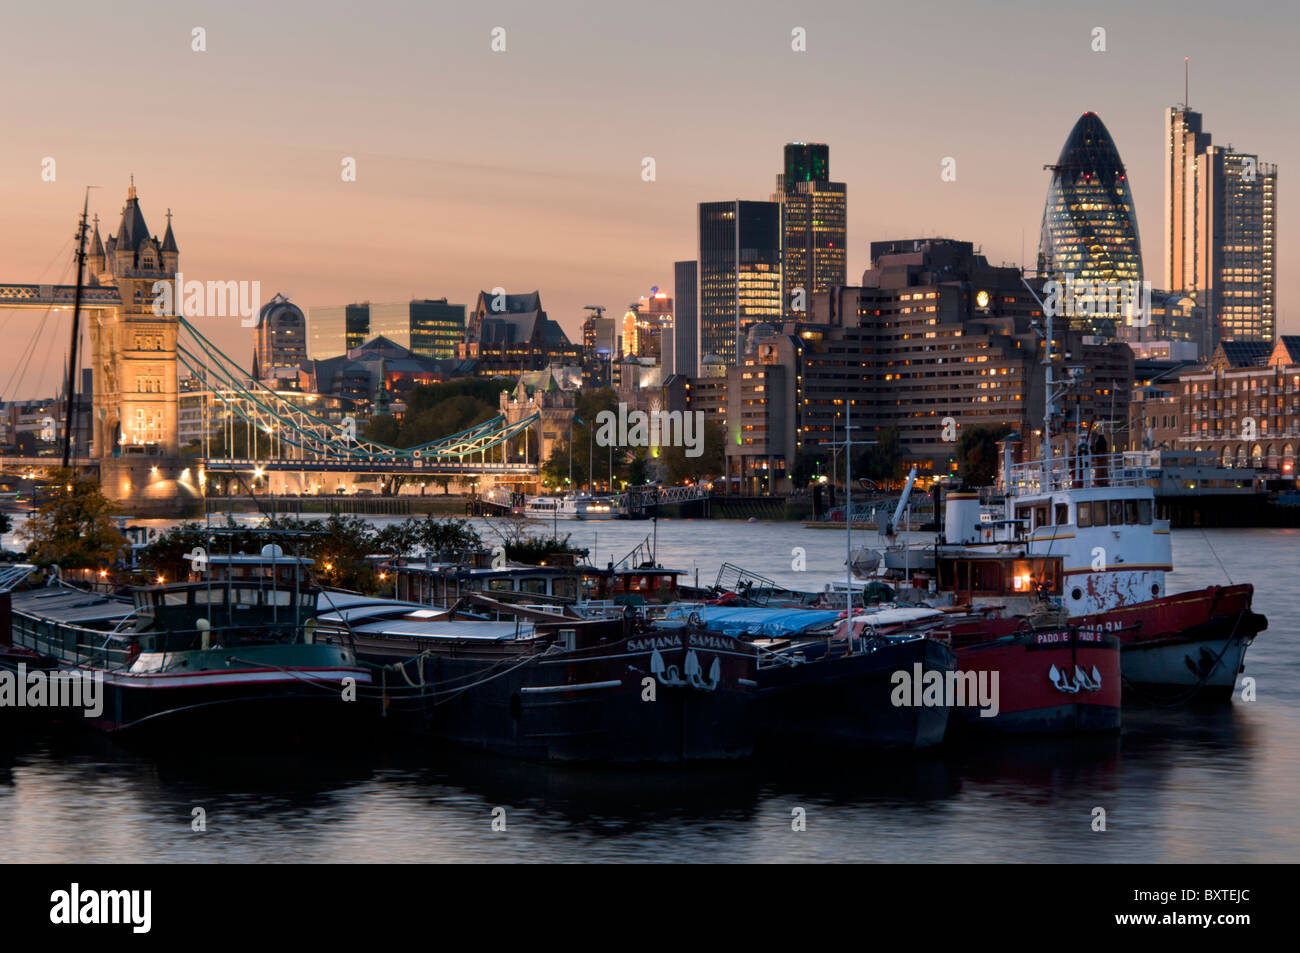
x: 771, y: 623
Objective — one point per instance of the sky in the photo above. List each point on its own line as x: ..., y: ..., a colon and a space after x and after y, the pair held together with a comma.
x: 523, y: 168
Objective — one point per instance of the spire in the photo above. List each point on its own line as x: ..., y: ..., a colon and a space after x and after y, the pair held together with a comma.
x: 97, y: 245
x: 130, y: 193
x: 169, y: 240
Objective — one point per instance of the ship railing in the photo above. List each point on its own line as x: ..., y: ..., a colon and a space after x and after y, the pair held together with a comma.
x: 1129, y: 469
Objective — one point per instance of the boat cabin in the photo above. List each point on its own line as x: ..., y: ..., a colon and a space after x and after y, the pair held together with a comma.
x: 971, y: 577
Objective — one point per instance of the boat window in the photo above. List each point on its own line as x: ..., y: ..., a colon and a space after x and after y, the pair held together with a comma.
x: 1144, y: 512
x: 213, y: 597
x: 564, y: 587
x: 1062, y: 514
x: 1116, y: 512
x: 279, y: 597
x: 501, y: 585
x: 534, y: 586
x: 1131, y: 512
x: 1084, y: 515
x: 175, y: 598
x: 247, y: 597
x: 1099, y: 513
x: 1040, y: 516
x: 1022, y: 578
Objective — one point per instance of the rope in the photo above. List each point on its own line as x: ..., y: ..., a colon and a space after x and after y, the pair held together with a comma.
x: 1215, y: 554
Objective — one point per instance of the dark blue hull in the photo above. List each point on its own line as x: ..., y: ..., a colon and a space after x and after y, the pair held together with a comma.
x: 848, y: 703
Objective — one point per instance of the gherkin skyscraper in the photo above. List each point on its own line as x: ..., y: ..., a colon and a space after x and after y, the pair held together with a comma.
x: 1090, y: 230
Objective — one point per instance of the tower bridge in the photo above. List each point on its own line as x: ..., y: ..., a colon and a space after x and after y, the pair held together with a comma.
x: 135, y: 358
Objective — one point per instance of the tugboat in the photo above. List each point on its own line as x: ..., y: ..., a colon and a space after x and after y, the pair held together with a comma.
x: 1088, y: 529
x: 231, y: 654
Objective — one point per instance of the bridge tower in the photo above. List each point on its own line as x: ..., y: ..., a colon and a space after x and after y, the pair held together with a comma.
x: 133, y: 357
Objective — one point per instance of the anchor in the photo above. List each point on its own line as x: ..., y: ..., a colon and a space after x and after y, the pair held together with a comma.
x: 1061, y: 681
x: 666, y: 675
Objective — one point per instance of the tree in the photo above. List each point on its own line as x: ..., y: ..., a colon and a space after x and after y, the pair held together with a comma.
x: 808, y: 466
x: 977, y: 454
x: 682, y: 468
x: 434, y: 411
x: 341, y: 550
x: 451, y: 535
x: 74, y: 528
x: 882, y: 461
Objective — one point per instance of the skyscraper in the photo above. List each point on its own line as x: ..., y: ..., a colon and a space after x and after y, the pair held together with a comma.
x: 739, y: 274
x: 1090, y: 232
x: 813, y: 225
x: 684, y: 356
x: 1220, y: 230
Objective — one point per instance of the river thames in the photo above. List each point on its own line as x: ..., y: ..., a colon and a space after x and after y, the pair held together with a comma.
x: 1201, y: 784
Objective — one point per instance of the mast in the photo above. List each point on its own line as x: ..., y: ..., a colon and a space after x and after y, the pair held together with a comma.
x: 70, y: 391
x: 1049, y: 398
x: 848, y: 524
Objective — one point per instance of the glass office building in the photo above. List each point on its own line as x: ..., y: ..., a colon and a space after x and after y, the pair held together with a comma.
x: 1090, y: 231
x: 428, y: 327
x: 814, y: 221
x: 739, y: 273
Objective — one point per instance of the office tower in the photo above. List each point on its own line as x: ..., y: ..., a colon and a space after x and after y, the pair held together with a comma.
x: 1185, y: 142
x: 436, y: 327
x: 644, y: 325
x: 740, y: 272
x: 813, y: 226
x: 685, y: 356
x: 280, y: 338
x: 600, y: 349
x: 1090, y: 232
x: 429, y: 327
x: 1220, y: 230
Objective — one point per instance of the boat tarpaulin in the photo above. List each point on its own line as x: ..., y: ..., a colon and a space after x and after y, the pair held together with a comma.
x: 770, y: 623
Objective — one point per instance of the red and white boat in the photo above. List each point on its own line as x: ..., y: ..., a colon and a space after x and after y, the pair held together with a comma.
x: 1082, y: 532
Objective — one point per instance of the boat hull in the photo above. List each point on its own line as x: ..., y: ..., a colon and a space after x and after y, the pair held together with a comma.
x: 1190, y: 644
x: 237, y: 707
x: 1047, y: 683
x: 661, y: 697
x: 848, y: 702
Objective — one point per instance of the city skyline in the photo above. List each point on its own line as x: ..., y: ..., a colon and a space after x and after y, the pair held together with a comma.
x: 446, y: 202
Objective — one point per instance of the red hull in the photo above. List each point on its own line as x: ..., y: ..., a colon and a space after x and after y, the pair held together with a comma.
x: 1190, y: 643
x: 1048, y: 682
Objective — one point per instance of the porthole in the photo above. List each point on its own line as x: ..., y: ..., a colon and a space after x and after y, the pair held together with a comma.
x: 1155, y: 589
x: 1076, y: 594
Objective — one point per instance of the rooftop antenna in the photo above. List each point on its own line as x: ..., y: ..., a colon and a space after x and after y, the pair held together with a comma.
x: 1186, y: 81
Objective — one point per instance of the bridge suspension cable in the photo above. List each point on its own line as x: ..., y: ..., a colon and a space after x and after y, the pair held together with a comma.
x: 263, y: 408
